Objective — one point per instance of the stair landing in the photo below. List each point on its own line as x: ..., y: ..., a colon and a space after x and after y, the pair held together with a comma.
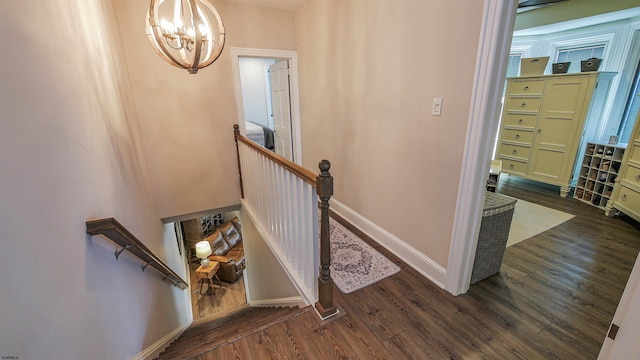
x: 207, y: 335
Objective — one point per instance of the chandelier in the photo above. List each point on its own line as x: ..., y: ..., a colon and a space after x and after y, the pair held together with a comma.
x: 187, y: 34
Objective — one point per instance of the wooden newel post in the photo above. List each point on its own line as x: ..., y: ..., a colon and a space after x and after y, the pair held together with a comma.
x: 236, y: 133
x: 324, y: 189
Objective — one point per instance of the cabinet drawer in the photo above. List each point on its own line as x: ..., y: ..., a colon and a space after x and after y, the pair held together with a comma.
x: 532, y: 87
x: 523, y: 120
x: 635, y: 153
x: 514, y: 167
x: 632, y: 175
x: 515, y: 151
x: 629, y: 200
x: 526, y: 104
x: 517, y: 136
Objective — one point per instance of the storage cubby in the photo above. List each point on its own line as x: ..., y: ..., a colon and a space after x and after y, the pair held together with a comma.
x: 598, y: 173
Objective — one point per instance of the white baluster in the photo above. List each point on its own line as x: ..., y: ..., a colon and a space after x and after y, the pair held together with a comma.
x: 284, y: 207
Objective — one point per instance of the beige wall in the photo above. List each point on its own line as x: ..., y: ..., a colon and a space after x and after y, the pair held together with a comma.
x: 70, y: 151
x: 369, y: 71
x: 186, y: 120
x: 570, y: 10
x: 266, y: 280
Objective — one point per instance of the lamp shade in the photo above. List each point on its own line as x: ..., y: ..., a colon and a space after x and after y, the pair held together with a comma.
x: 203, y: 249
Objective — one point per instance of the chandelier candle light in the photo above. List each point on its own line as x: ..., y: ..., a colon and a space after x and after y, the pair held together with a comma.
x: 187, y: 34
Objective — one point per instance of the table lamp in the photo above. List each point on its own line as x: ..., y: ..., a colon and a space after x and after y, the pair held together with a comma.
x: 203, y: 250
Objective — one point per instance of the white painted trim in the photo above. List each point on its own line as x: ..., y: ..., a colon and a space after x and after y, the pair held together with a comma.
x: 629, y: 325
x: 292, y: 56
x: 491, y: 64
x: 291, y: 301
x: 156, y: 348
x: 414, y: 258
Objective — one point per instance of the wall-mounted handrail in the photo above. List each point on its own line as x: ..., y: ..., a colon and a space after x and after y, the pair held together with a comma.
x: 116, y: 232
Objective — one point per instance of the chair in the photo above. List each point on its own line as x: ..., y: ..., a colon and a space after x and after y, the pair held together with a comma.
x: 227, y: 249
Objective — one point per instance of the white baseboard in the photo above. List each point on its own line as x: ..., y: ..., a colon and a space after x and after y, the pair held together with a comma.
x: 417, y: 260
x: 156, y: 348
x: 293, y: 301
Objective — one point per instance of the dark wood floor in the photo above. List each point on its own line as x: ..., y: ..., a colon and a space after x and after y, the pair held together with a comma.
x: 554, y: 299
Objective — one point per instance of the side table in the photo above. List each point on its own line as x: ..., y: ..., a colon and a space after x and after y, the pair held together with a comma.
x: 207, y: 273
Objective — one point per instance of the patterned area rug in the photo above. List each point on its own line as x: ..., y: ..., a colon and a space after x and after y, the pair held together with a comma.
x: 355, y: 264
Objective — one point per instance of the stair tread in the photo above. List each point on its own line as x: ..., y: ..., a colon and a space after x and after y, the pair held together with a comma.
x: 205, y: 336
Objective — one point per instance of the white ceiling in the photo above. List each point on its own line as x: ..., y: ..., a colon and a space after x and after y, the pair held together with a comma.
x: 278, y: 4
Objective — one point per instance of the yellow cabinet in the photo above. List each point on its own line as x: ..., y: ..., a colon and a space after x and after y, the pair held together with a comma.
x: 543, y: 122
x: 626, y: 192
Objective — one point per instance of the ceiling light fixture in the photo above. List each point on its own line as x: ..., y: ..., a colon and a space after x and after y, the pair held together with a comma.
x: 187, y: 34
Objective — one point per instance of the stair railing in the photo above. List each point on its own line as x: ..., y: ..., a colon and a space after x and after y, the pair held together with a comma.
x: 281, y: 197
x: 116, y: 232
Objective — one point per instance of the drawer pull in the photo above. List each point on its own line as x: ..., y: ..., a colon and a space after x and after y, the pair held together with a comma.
x: 520, y: 121
x: 623, y: 197
x: 511, y: 166
x: 514, y: 151
x: 637, y: 177
x: 526, y: 88
x: 523, y: 105
x: 517, y: 137
x: 539, y: 131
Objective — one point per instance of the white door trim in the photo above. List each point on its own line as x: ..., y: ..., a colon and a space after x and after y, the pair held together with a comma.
x: 491, y: 62
x: 292, y: 56
x: 626, y: 317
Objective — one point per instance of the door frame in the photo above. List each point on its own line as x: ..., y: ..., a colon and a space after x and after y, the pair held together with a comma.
x: 494, y: 44
x: 292, y: 56
x: 626, y: 317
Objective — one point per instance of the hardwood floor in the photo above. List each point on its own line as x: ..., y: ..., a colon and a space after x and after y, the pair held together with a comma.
x: 554, y: 299
x: 220, y: 301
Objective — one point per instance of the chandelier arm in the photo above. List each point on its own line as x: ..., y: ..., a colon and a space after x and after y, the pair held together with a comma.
x: 155, y: 37
x: 168, y: 41
x: 157, y: 46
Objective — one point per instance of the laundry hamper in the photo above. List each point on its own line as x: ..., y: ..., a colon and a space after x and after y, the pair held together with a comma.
x: 494, y: 232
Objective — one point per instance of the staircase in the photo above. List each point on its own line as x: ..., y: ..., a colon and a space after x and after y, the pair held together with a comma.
x: 204, y: 335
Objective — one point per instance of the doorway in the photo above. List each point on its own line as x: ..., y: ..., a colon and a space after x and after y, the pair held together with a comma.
x: 218, y: 287
x: 487, y: 122
x: 492, y: 60
x: 266, y: 87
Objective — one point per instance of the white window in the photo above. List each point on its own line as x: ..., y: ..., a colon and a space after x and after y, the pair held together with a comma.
x: 577, y: 54
x: 513, y: 67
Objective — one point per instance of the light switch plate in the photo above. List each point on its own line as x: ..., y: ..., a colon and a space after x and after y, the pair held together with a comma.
x: 437, y: 107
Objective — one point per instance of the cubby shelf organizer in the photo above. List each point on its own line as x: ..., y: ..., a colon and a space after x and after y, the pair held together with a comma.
x: 598, y: 173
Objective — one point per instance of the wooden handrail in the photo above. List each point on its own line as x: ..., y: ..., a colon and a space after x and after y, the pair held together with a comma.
x: 296, y: 169
x: 116, y: 232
